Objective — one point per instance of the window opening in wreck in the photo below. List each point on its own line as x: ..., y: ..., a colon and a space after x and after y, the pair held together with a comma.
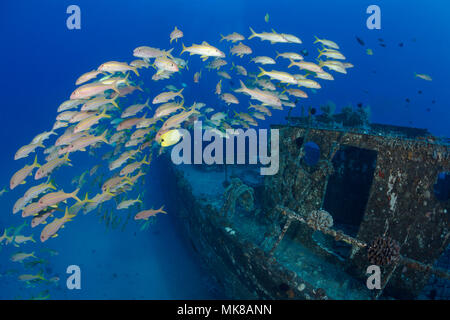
x: 442, y: 186
x: 348, y: 187
x: 312, y: 153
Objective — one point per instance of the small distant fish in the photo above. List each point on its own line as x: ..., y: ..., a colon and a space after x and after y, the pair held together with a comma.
x: 233, y: 37
x: 21, y: 256
x: 272, y: 37
x: 144, y: 215
x: 240, y: 50
x: 219, y: 87
x: 128, y: 203
x: 266, y: 18
x: 3, y: 191
x: 369, y: 52
x: 327, y: 43
x: 423, y: 76
x: 383, y: 45
x: 263, y: 60
x: 400, y: 44
x: 176, y: 34
x: 32, y: 277
x: 229, y: 98
x: 197, y: 76
x: 360, y: 41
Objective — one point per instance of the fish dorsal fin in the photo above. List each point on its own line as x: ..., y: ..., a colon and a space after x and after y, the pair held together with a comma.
x: 205, y: 43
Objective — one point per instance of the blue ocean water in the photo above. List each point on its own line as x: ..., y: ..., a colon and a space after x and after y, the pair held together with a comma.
x: 41, y: 59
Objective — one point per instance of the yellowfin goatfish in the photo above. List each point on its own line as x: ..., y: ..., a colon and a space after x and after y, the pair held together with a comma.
x: 144, y: 215
x: 51, y: 199
x: 87, y: 77
x: 20, y: 176
x: 52, y: 228
x: 115, y: 66
x: 128, y: 203
x: 327, y: 43
x: 273, y: 37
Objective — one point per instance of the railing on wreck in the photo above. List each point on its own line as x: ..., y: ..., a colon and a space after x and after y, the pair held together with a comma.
x: 356, y: 244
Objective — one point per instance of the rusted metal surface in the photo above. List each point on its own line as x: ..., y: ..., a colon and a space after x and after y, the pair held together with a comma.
x: 244, y: 270
x: 401, y: 202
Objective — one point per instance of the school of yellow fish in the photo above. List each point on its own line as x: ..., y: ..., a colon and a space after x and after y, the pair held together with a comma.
x: 95, y: 116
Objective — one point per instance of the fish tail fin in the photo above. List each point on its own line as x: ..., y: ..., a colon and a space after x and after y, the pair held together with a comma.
x: 147, y: 103
x: 67, y: 216
x: 66, y: 159
x: 317, y: 39
x: 184, y: 48
x: 263, y: 72
x: 161, y: 210
x: 221, y: 37
x: 86, y: 198
x: 113, y: 101
x: 135, y: 71
x: 40, y: 275
x: 291, y: 64
x: 320, y: 53
x: 254, y: 34
x: 104, y: 115
x: 243, y: 88
x: 35, y: 163
x: 179, y: 93
x: 103, y: 136
x: 74, y: 195
x: 278, y: 54
x: 51, y: 184
x: 145, y: 161
x: 169, y: 53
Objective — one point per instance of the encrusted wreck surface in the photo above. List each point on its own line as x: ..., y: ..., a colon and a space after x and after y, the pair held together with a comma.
x: 343, y: 199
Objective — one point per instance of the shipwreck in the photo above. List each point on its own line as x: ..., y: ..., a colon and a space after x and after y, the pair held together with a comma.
x: 348, y: 195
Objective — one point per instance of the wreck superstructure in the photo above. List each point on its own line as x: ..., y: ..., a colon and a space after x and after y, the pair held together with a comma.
x: 346, y: 197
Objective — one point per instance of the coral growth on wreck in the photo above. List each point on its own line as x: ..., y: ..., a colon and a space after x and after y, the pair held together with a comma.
x: 237, y: 192
x: 383, y: 251
x: 319, y: 220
